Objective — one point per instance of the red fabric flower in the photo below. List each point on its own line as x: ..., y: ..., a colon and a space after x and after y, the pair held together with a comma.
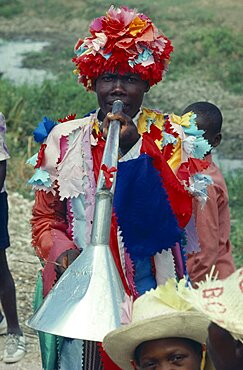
x: 155, y: 133
x: 40, y: 155
x: 167, y: 151
x: 197, y: 165
x: 192, y: 166
x: 168, y: 128
x: 108, y: 173
x: 70, y: 117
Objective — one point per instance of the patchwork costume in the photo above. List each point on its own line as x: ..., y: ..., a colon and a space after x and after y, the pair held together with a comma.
x: 152, y: 207
x: 152, y: 225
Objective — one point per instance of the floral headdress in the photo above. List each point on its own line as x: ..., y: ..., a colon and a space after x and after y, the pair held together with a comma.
x: 122, y: 41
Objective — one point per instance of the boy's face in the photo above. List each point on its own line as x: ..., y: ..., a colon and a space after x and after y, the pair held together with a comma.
x: 129, y: 88
x: 168, y: 354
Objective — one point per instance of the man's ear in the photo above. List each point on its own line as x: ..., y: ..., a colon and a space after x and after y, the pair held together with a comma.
x: 147, y: 87
x: 217, y: 139
x: 94, y: 85
x: 134, y: 365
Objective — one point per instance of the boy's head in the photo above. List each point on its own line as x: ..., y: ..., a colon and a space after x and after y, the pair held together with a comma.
x: 164, y: 353
x: 209, y: 119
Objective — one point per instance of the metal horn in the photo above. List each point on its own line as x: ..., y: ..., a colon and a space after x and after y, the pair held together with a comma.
x: 85, y: 303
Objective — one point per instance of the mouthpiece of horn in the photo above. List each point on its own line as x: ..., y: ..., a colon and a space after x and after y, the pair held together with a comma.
x: 117, y: 106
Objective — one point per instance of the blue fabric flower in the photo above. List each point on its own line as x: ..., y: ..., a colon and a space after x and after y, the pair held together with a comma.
x: 82, y: 48
x: 40, y: 178
x: 201, y: 147
x: 168, y: 139
x: 107, y: 56
x: 33, y: 160
x: 193, y: 129
x: 200, y: 185
x: 43, y: 129
x: 142, y: 57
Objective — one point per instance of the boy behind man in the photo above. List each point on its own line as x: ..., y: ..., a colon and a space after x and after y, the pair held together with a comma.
x: 213, y: 220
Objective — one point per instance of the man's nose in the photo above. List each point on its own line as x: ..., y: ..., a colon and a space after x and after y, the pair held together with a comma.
x: 118, y: 86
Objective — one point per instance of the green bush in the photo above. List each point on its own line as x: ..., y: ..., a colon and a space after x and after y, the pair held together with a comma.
x: 214, y: 53
x: 10, y: 8
x: 25, y: 105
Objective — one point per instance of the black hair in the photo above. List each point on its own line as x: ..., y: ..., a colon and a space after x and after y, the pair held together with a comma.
x: 196, y: 346
x: 207, y: 114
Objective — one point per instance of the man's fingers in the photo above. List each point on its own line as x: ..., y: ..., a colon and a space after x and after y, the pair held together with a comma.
x: 72, y: 255
x: 59, y: 270
x: 120, y: 116
x: 64, y: 260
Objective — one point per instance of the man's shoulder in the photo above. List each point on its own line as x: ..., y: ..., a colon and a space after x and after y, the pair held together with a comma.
x: 48, y: 129
x: 67, y: 127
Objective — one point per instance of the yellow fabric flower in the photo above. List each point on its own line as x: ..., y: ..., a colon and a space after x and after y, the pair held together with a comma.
x: 136, y: 26
x: 159, y: 121
x: 146, y: 115
x: 175, y: 160
x: 167, y: 294
x: 182, y: 120
x: 95, y: 126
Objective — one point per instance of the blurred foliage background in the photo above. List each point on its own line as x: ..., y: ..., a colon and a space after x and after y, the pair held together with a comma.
x: 206, y: 65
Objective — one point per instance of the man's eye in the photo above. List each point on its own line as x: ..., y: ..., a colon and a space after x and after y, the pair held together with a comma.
x: 177, y: 358
x: 131, y: 79
x: 107, y: 78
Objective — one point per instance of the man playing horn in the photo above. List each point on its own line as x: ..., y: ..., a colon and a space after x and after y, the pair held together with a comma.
x: 124, y: 55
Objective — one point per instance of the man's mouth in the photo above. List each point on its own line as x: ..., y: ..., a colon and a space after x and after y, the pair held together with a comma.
x: 110, y: 104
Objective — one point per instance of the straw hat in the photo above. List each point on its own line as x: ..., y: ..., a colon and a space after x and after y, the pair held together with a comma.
x: 221, y: 301
x: 157, y: 314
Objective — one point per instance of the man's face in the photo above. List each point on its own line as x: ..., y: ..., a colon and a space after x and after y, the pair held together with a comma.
x: 129, y: 88
x: 168, y: 354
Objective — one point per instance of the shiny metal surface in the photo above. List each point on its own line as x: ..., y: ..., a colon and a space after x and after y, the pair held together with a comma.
x: 86, y: 301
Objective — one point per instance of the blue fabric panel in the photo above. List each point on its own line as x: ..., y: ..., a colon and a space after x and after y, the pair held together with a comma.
x: 71, y: 354
x: 144, y: 278
x: 142, y: 208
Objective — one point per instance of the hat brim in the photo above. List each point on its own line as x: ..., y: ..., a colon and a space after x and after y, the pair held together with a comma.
x: 121, y: 343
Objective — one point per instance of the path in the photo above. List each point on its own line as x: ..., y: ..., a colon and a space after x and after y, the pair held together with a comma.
x: 24, y: 266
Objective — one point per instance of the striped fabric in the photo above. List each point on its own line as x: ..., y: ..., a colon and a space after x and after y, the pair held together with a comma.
x: 91, y: 359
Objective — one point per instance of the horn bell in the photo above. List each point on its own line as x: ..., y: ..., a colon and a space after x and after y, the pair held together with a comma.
x: 90, y: 289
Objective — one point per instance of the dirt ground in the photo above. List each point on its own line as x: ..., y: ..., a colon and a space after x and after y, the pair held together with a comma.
x: 24, y: 266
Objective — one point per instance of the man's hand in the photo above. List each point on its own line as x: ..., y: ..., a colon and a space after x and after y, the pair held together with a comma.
x: 129, y: 134
x: 64, y: 260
